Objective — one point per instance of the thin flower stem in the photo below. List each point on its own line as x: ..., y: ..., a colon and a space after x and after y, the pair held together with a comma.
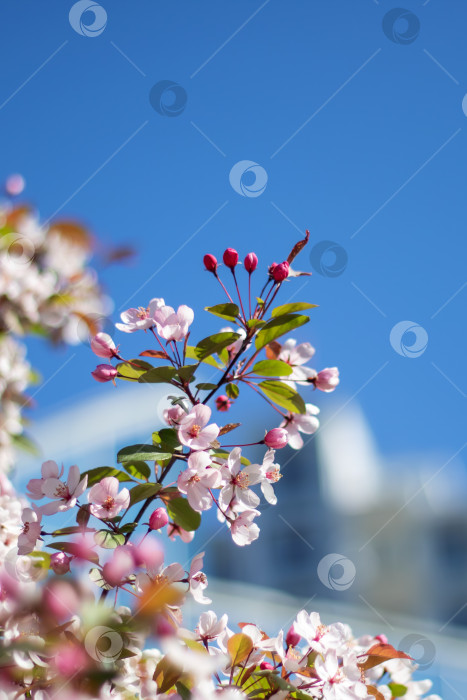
x: 249, y: 293
x: 161, y: 346
x: 239, y: 295
x: 222, y: 285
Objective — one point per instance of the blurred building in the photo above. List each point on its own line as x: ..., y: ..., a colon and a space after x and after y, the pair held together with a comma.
x: 398, y: 527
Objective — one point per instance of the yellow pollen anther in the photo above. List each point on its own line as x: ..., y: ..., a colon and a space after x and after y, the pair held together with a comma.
x: 195, y: 430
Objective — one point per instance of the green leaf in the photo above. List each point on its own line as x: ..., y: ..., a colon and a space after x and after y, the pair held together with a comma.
x: 72, y: 530
x: 227, y: 311
x: 186, y: 372
x: 193, y: 354
x: 232, y: 391
x: 138, y: 469
x: 255, y: 323
x: 397, y: 690
x: 158, y: 375
x: 166, y: 439
x: 96, y: 577
x: 73, y: 549
x: 215, y: 343
x: 239, y: 647
x: 292, y: 308
x: 128, y: 527
x: 108, y: 539
x: 142, y: 492
x: 98, y: 473
x: 132, y: 372
x: 272, y: 368
x: 183, y: 514
x: 83, y: 515
x: 25, y: 443
x: 205, y: 386
x: 277, y: 327
x: 141, y: 453
x: 283, y: 395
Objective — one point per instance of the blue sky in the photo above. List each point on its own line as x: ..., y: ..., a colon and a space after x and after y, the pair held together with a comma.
x: 363, y: 140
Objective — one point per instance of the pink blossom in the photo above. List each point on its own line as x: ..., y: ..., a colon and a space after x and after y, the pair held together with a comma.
x: 297, y: 423
x: 31, y: 531
x: 174, y: 415
x: 174, y: 530
x: 67, y: 494
x: 105, y: 373
x: 198, y: 480
x: 277, y: 438
x: 292, y: 638
x: 158, y: 518
x: 173, y: 325
x: 237, y: 481
x: 140, y: 318
x: 209, y: 627
x: 49, y: 470
x: 197, y: 580
x: 105, y: 500
x: 327, y: 379
x: 243, y: 529
x: 102, y: 345
x: 194, y: 431
x: 270, y: 474
x: 296, y: 356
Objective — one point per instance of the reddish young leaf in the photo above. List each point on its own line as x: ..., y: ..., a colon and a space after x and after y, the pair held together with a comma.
x: 375, y: 692
x: 155, y: 353
x: 379, y: 653
x: 227, y: 428
x: 273, y: 349
x: 298, y: 247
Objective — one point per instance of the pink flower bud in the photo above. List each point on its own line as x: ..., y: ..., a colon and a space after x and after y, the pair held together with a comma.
x: 327, y: 379
x: 14, y: 185
x: 102, y: 345
x: 210, y: 263
x: 277, y: 438
x: 292, y: 637
x: 159, y: 518
x: 230, y: 257
x: 223, y: 403
x: 266, y: 666
x: 279, y: 272
x: 250, y: 262
x: 60, y: 563
x: 174, y: 415
x: 104, y: 373
x: 382, y: 638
